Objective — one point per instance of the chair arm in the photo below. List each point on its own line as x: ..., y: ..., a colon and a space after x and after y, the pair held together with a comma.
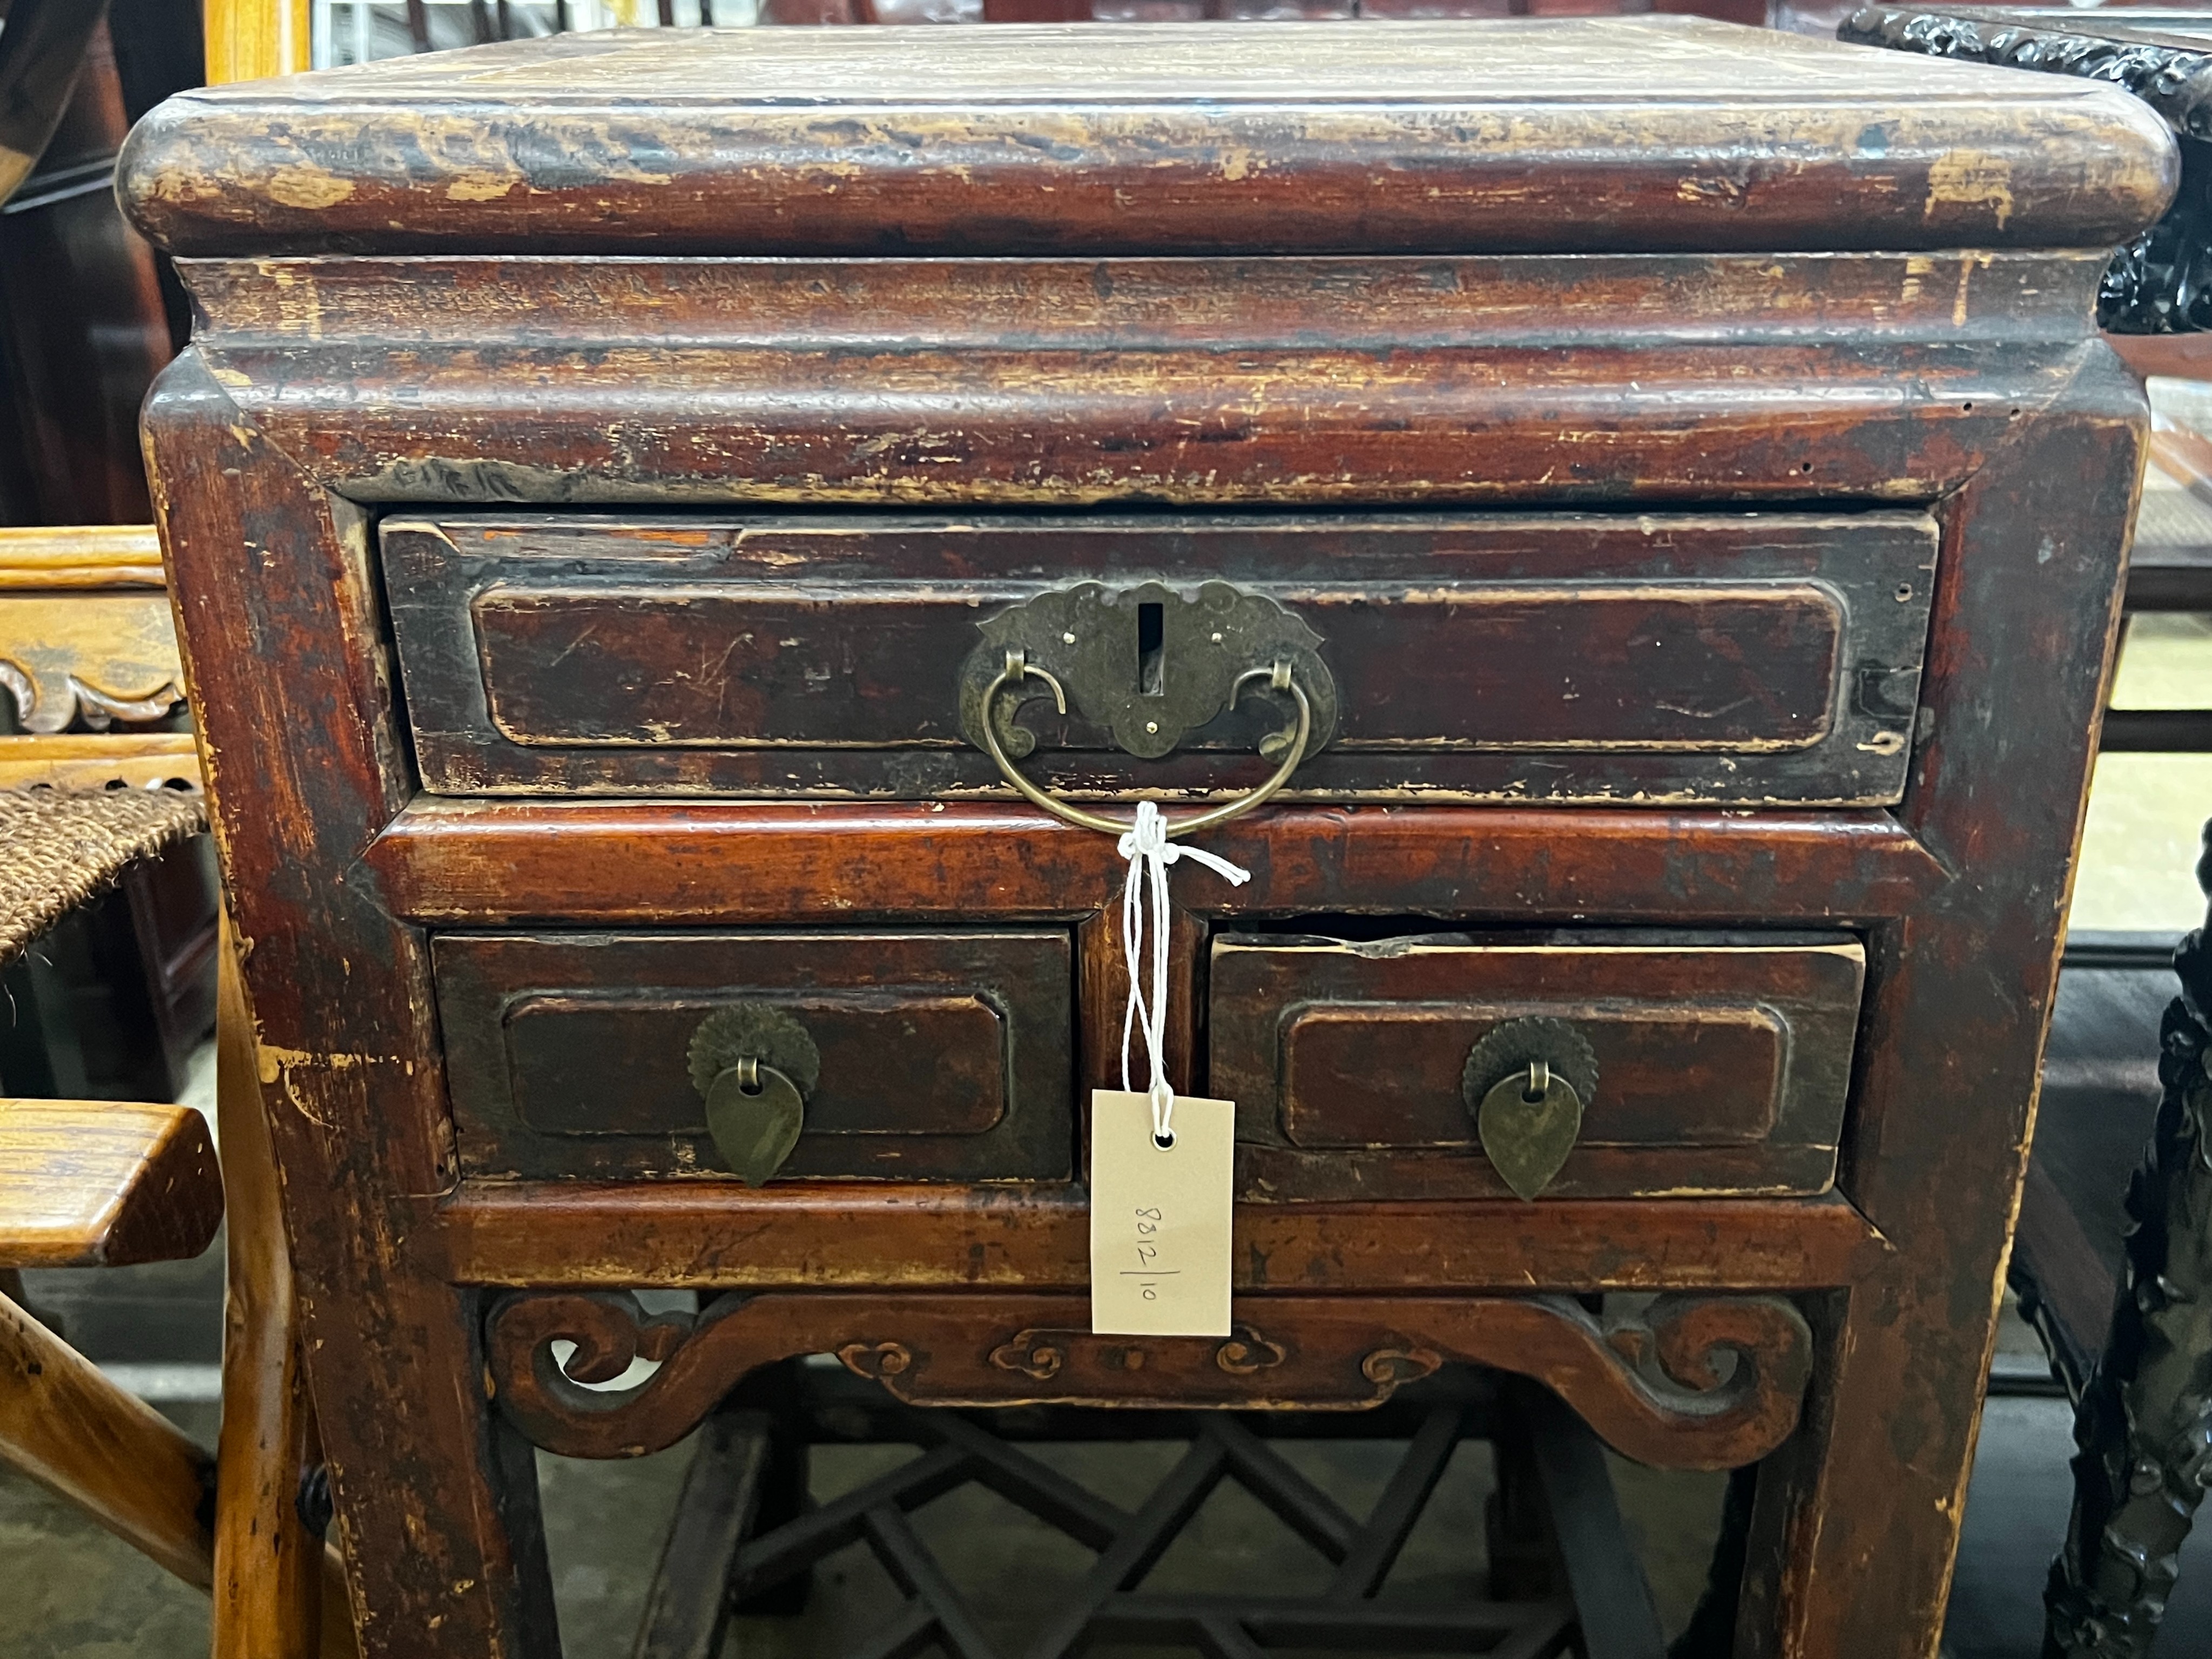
x: 103, y: 1183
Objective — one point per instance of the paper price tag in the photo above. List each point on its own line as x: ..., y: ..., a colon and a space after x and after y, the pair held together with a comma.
x: 1160, y: 1217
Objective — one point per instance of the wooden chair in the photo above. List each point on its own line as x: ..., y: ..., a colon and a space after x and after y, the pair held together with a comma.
x: 85, y: 630
x: 92, y: 1184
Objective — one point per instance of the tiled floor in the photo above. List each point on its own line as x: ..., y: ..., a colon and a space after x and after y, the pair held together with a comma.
x: 74, y: 1592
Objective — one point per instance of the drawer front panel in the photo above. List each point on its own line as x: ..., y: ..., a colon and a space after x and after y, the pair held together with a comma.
x: 1724, y: 1065
x: 1734, y: 668
x: 942, y: 1055
x: 1753, y: 657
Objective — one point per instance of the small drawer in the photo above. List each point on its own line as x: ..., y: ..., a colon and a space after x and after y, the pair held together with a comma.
x: 1722, y: 1062
x: 936, y: 1056
x: 1753, y: 657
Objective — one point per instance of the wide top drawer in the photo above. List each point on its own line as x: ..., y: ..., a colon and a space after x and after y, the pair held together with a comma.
x: 1746, y: 658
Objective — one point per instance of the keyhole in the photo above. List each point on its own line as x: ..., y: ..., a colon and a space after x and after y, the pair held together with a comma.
x: 1152, y: 651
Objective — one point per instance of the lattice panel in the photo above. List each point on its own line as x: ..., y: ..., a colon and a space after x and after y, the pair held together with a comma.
x: 729, y: 1546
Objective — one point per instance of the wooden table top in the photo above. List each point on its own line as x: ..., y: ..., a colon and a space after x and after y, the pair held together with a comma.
x: 1515, y: 135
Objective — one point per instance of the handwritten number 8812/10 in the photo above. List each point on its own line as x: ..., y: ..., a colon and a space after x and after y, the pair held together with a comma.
x: 1148, y: 1224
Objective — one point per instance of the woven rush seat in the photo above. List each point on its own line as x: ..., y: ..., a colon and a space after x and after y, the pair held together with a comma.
x: 62, y: 847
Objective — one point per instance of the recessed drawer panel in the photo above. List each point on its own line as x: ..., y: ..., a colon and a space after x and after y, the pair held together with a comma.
x: 1750, y: 657
x: 934, y: 1055
x: 1721, y: 1063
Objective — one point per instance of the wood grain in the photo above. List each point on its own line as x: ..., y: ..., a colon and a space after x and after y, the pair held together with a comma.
x: 1272, y: 422
x: 1653, y: 1384
x: 943, y: 1056
x: 1873, y: 1493
x: 1578, y: 136
x: 248, y: 40
x: 104, y: 1183
x: 396, y: 1421
x: 76, y: 656
x: 80, y: 557
x: 614, y: 1236
x: 477, y: 863
x: 64, y: 1425
x: 1983, y: 295
x: 1721, y: 1061
x: 93, y: 760
x: 271, y: 1575
x: 1353, y: 382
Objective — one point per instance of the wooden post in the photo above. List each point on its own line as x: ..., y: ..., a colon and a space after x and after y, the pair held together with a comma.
x: 269, y: 1572
x: 248, y: 40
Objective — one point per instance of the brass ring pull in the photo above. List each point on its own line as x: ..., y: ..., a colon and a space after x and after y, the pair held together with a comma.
x: 1018, y: 668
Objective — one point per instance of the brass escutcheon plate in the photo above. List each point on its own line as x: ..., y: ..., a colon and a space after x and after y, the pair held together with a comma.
x: 1150, y: 664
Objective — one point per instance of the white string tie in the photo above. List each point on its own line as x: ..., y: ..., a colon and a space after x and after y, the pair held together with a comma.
x: 1146, y: 846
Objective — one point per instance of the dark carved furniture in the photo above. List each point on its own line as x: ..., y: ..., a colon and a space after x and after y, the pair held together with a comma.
x: 2125, y: 1068
x: 603, y: 459
x: 2144, y: 1417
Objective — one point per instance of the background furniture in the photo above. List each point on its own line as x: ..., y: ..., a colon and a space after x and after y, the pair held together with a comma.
x: 116, y: 1003
x: 88, y: 1184
x: 84, y: 618
x: 102, y: 1183
x: 2138, y: 1358
x: 85, y: 630
x: 88, y: 314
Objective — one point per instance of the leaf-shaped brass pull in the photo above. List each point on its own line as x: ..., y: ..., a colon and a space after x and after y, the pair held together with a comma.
x: 1528, y: 1123
x: 754, y: 1066
x: 1527, y: 1084
x: 754, y: 1112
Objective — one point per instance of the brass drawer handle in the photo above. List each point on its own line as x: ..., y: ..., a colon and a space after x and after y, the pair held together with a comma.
x: 1528, y: 1083
x: 1278, y: 677
x: 1150, y: 664
x: 755, y: 1066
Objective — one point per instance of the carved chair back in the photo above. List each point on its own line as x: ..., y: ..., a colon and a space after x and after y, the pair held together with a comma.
x: 88, y: 661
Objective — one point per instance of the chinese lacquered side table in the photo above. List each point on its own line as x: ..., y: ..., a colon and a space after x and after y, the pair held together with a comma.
x: 1655, y: 486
